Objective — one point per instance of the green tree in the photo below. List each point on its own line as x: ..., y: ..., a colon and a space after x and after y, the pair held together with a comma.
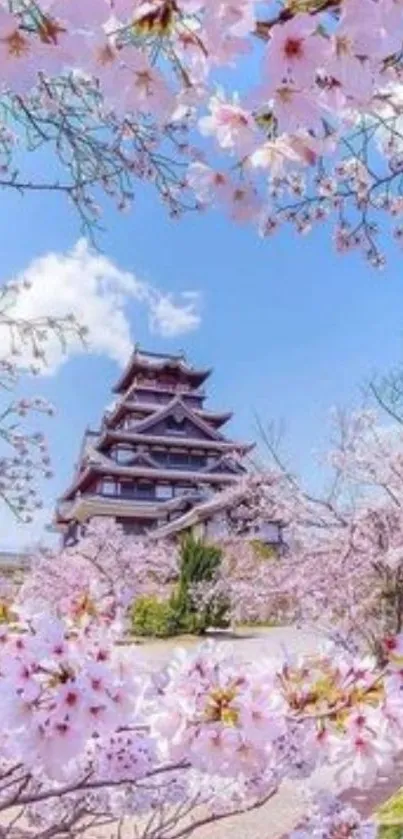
x: 199, y: 564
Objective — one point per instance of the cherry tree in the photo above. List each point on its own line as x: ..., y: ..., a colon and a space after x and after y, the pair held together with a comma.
x: 100, y: 575
x: 342, y: 569
x: 124, y: 92
x: 24, y: 457
x: 359, y: 539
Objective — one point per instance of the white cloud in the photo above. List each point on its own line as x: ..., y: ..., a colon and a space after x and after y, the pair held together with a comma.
x: 94, y: 289
x: 169, y: 319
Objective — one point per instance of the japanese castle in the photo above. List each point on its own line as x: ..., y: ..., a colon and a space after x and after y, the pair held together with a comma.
x: 159, y: 460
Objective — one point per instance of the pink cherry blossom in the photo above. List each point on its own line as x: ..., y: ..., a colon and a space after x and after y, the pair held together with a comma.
x: 296, y: 109
x: 237, y: 17
x: 144, y: 88
x: 81, y: 715
x: 17, y: 54
x: 330, y: 817
x: 244, y: 202
x: 295, y: 53
x: 275, y: 156
x: 369, y: 29
x: 354, y: 74
x: 208, y: 184
x: 360, y: 758
x: 231, y: 125
x: 92, y: 13
x: 151, y: 69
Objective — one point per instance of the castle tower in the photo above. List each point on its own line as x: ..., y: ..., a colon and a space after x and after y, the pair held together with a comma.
x: 159, y: 456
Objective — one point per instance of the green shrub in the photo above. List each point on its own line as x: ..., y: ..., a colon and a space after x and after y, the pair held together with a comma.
x: 154, y: 618
x: 390, y: 818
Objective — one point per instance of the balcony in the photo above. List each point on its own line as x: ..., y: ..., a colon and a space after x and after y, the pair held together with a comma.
x: 183, y: 461
x: 154, y: 494
x: 129, y: 494
x: 158, y: 390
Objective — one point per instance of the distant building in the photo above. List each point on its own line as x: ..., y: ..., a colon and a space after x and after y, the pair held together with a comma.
x: 159, y: 458
x: 14, y: 561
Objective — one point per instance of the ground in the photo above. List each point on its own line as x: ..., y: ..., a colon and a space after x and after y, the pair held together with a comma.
x: 248, y: 643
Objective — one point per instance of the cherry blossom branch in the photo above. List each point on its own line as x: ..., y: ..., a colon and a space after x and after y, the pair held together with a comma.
x: 218, y: 817
x: 322, y: 141
x: 25, y: 455
x: 83, y: 785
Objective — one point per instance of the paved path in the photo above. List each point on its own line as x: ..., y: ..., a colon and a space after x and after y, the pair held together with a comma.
x: 247, y: 643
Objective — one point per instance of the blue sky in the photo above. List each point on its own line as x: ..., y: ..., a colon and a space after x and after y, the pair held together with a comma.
x: 290, y: 328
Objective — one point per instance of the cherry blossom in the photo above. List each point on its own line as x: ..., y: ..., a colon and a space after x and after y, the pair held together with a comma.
x: 295, y: 53
x: 274, y: 155
x: 89, y: 728
x: 296, y: 108
x: 19, y: 66
x: 231, y: 124
x: 142, y: 83
x: 146, y: 89
x: 94, y: 13
x: 208, y: 184
x: 330, y: 817
x: 93, y: 580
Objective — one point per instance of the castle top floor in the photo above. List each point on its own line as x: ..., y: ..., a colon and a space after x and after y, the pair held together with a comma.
x: 149, y: 370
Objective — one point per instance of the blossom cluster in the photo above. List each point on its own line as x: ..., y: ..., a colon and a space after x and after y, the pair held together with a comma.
x: 261, y: 718
x: 97, y: 578
x: 330, y: 817
x: 89, y: 729
x: 57, y: 692
x: 318, y: 135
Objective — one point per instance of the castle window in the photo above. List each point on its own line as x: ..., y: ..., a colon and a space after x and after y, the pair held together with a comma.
x: 178, y: 458
x: 164, y: 491
x: 197, y: 460
x: 108, y: 486
x: 145, y: 490
x: 134, y: 527
x: 127, y: 489
x: 176, y: 426
x: 123, y: 454
x: 182, y: 490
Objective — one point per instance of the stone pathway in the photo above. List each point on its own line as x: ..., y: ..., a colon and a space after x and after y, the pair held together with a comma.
x: 247, y: 644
